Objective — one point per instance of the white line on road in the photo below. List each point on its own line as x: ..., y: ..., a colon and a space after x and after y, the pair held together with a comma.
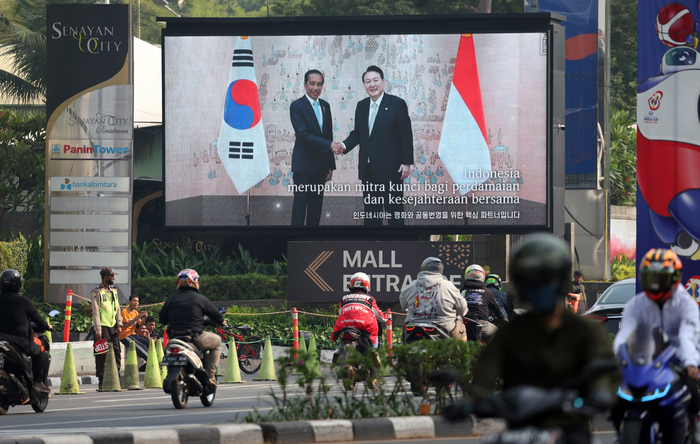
x: 191, y: 412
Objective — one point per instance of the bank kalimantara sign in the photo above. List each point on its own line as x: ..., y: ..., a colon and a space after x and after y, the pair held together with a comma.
x: 321, y: 271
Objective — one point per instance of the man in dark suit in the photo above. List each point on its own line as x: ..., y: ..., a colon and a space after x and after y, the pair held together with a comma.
x: 383, y: 131
x: 313, y: 161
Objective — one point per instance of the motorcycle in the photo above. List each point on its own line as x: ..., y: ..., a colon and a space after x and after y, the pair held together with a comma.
x: 415, y: 332
x: 524, y: 406
x: 16, y: 379
x: 353, y: 339
x: 473, y: 329
x: 657, y: 398
x: 186, y: 375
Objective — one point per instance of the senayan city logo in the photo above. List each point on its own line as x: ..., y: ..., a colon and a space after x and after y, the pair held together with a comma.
x: 92, y: 39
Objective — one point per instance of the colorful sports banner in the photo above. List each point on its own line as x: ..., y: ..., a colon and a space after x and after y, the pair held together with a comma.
x: 668, y: 133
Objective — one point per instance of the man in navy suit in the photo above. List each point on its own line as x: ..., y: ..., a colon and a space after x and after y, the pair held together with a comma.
x: 313, y: 161
x: 383, y: 131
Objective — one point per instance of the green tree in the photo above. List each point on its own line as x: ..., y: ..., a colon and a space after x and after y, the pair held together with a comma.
x: 623, y: 55
x: 22, y: 141
x: 23, y: 39
x: 623, y: 158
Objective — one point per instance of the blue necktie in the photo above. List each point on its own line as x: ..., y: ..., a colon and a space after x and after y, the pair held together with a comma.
x: 317, y: 110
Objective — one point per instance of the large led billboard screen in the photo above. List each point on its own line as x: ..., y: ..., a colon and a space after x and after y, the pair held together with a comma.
x: 280, y: 127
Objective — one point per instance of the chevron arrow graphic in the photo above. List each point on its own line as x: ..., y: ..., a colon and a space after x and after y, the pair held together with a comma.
x: 311, y: 270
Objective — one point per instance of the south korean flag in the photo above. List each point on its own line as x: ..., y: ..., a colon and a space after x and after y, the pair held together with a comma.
x: 242, y: 146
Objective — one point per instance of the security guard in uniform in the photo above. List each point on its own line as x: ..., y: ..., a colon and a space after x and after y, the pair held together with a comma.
x: 107, y: 319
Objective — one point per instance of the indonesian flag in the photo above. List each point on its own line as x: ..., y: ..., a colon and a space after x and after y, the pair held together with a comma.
x: 463, y: 145
x: 241, y: 144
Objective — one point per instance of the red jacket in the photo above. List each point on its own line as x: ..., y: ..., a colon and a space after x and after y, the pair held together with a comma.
x: 359, y: 310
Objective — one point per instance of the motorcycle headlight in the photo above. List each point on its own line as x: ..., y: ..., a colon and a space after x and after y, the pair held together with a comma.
x: 624, y: 393
x: 656, y: 394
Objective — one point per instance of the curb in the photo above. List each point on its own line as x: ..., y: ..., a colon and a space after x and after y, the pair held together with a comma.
x: 293, y: 432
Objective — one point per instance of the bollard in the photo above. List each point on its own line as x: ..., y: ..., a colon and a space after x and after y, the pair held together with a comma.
x: 66, y: 325
x: 389, y: 334
x: 295, y: 331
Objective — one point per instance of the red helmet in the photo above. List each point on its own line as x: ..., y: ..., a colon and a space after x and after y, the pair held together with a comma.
x: 660, y: 273
x: 359, y: 281
x: 188, y: 278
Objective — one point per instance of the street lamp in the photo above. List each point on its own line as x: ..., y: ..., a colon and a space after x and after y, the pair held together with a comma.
x: 164, y: 3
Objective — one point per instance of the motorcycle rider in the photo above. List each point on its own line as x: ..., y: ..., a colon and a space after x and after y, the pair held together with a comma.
x: 494, y: 283
x: 16, y: 312
x: 481, y: 301
x: 665, y: 303
x: 434, y: 298
x: 548, y: 344
x: 184, y: 313
x: 359, y: 309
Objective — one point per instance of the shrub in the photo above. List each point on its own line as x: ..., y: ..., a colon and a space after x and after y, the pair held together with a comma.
x: 14, y: 255
x: 216, y: 288
x: 318, y: 402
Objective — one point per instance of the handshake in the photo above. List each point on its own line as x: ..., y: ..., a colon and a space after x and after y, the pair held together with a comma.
x: 337, y: 147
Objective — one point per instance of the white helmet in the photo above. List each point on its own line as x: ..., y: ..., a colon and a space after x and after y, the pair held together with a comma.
x: 359, y: 281
x: 475, y: 273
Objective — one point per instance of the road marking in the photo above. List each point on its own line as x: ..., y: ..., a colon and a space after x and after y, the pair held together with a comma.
x: 178, y: 413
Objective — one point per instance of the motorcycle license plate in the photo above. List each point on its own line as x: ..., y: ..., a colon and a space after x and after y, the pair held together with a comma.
x: 524, y: 436
x: 174, y: 360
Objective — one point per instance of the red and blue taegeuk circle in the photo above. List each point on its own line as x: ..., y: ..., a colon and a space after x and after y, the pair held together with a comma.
x: 242, y: 107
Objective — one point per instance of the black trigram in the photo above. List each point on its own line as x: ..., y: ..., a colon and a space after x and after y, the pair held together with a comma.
x: 243, y: 57
x: 240, y: 150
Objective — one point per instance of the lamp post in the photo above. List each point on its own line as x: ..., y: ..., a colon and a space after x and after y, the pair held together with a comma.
x: 164, y: 3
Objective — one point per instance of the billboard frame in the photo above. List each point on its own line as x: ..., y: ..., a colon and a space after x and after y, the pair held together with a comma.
x: 546, y: 23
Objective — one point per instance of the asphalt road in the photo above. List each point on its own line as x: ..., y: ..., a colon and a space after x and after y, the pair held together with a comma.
x: 139, y: 409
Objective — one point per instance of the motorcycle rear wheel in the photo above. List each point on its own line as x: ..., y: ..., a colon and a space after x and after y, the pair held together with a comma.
x: 208, y: 400
x: 178, y: 392
x: 250, y: 356
x: 39, y: 404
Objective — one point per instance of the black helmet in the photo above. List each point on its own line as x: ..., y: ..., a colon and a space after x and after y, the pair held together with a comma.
x: 539, y: 268
x: 433, y: 264
x: 11, y: 280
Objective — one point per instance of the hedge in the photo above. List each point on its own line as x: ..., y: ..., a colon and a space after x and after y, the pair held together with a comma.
x: 14, y: 255
x: 152, y: 290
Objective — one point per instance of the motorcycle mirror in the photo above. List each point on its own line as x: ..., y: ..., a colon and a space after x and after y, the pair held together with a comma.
x: 54, y: 313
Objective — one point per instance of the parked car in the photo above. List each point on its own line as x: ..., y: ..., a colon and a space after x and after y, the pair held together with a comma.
x: 608, y: 308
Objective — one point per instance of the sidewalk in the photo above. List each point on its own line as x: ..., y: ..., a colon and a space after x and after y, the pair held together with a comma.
x: 407, y: 427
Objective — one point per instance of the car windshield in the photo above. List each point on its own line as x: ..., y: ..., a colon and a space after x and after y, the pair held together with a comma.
x: 618, y: 294
x: 646, y: 343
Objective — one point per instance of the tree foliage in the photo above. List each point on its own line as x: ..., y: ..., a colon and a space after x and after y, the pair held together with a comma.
x: 23, y: 39
x: 623, y: 55
x: 623, y: 158
x: 289, y: 8
x: 22, y: 141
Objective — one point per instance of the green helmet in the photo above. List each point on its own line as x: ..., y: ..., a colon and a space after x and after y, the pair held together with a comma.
x: 539, y: 270
x: 494, y: 280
